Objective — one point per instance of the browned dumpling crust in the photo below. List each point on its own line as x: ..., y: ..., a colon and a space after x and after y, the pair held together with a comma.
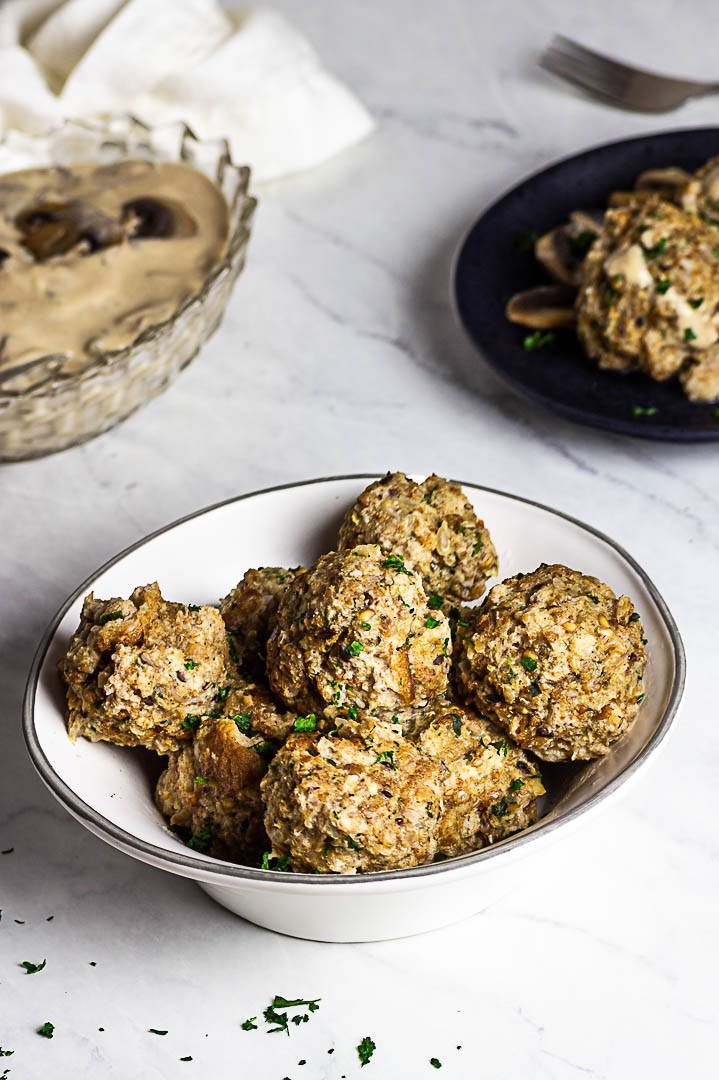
x: 212, y: 788
x: 649, y: 295
x: 432, y: 525
x: 356, y: 629
x: 248, y: 700
x: 363, y: 803
x: 488, y: 786
x: 249, y: 612
x: 135, y: 668
x: 556, y: 660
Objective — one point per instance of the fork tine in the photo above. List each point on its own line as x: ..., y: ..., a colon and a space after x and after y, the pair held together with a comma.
x: 583, y: 54
x: 611, y: 78
x: 620, y: 83
x: 576, y: 72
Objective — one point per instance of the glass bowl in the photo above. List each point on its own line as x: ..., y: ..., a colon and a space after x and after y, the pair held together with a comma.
x: 42, y: 408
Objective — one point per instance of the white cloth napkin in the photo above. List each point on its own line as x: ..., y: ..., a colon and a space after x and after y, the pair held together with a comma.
x: 240, y: 73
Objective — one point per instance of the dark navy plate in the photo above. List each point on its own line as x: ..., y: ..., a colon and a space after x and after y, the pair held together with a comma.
x: 492, y: 266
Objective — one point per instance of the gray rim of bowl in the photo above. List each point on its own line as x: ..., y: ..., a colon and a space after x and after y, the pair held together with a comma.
x: 225, y: 872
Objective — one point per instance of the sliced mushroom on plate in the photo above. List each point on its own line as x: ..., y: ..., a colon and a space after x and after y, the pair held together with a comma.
x: 669, y: 183
x: 561, y: 251
x: 547, y: 307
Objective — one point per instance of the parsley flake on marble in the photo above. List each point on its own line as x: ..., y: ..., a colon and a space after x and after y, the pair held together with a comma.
x: 365, y: 1050
x: 31, y: 969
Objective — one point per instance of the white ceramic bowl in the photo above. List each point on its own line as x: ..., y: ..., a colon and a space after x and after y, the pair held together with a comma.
x: 198, y: 559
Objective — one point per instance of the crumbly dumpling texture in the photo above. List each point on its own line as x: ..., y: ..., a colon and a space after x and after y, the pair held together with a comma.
x: 432, y: 525
x: 556, y: 660
x: 223, y: 820
x: 135, y: 668
x: 249, y: 702
x: 649, y: 295
x: 212, y: 788
x: 249, y: 612
x: 356, y: 630
x: 352, y: 805
x: 489, y: 787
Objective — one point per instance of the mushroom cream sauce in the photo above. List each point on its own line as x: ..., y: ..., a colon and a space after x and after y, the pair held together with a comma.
x: 93, y: 255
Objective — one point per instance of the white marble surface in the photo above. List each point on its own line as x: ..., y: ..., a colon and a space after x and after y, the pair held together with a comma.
x: 340, y: 354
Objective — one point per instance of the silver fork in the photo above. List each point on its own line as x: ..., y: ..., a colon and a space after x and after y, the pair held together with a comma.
x: 620, y: 84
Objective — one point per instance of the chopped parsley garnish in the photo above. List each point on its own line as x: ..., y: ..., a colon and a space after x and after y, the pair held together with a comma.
x: 365, y: 626
x: 280, y: 1019
x: 478, y: 544
x: 305, y: 723
x: 193, y: 607
x: 365, y: 1050
x: 657, y: 249
x: 243, y: 721
x: 201, y: 841
x: 387, y: 758
x: 356, y: 648
x: 46, y: 1030
x: 249, y: 1025
x: 188, y: 1058
x: 538, y: 340
x: 640, y: 410
x: 608, y: 292
x: 593, y: 598
x: 9, y: 1053
x: 265, y: 749
x: 109, y: 616
x: 689, y: 334
x: 30, y: 969
x: 529, y: 663
x: 156, y: 1031
x: 190, y: 665
x: 434, y: 602
x: 432, y: 623
x: 352, y: 712
x: 501, y: 746
x: 456, y: 724
x: 499, y: 809
x: 516, y: 785
x: 200, y: 780
x: 435, y: 1063
x: 663, y: 286
x: 282, y: 863
x: 581, y: 243
x: 534, y: 688
x: 191, y: 721
x: 634, y: 617
x: 696, y: 303
x: 640, y: 698
x: 396, y: 562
